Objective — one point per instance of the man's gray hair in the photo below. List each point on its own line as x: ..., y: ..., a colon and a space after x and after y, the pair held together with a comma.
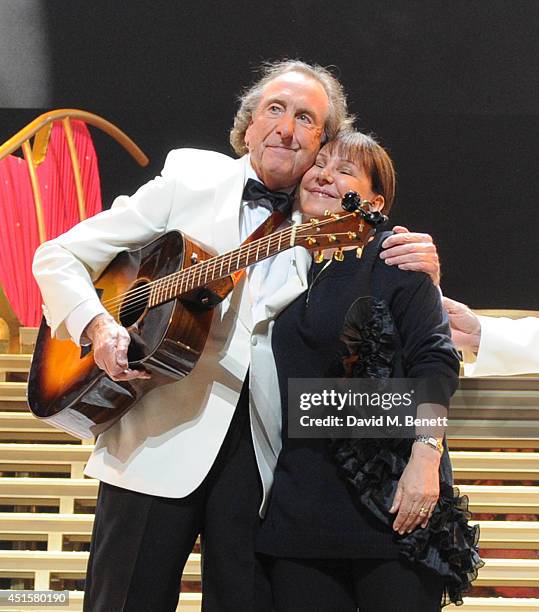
x: 338, y: 120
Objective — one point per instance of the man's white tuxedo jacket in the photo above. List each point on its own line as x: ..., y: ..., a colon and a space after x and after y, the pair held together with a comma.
x: 508, y: 346
x: 168, y: 441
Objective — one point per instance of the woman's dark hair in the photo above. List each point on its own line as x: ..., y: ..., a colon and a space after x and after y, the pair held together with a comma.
x: 367, y: 153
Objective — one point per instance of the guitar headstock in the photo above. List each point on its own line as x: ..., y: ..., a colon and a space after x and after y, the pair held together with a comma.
x: 352, y: 227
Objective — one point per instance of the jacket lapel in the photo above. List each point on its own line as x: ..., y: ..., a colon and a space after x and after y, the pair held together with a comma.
x: 227, y: 201
x: 294, y: 266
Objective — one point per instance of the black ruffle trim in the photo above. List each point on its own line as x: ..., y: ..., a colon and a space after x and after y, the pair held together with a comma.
x: 370, y: 347
x: 448, y: 545
x: 373, y: 467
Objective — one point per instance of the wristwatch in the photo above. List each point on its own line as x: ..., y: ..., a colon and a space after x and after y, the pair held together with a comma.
x: 436, y: 443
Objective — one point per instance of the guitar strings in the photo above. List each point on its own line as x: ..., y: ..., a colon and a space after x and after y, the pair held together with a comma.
x: 133, y: 306
x: 195, y: 269
x: 139, y: 296
x: 240, y: 257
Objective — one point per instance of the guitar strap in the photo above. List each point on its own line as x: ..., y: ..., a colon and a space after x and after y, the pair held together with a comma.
x: 264, y: 229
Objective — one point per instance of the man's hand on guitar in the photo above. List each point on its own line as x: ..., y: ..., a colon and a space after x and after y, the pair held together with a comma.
x: 110, y: 342
x: 412, y: 251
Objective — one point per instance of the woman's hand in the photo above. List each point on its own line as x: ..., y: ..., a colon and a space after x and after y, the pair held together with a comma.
x: 418, y: 489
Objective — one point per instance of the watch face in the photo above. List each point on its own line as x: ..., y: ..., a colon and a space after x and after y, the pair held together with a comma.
x: 436, y: 443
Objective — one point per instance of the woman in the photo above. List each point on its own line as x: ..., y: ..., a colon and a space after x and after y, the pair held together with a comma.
x: 327, y: 542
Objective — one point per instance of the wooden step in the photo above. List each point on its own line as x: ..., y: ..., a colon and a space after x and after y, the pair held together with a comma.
x: 15, y: 426
x: 495, y: 403
x: 496, y: 604
x: 13, y: 392
x: 54, y: 492
x: 496, y: 572
x: 509, y: 572
x: 25, y: 526
x: 65, y: 458
x: 495, y: 465
x: 487, y: 431
x: 465, y: 441
x: 192, y: 602
x: 502, y: 499
x: 28, y: 338
x: 521, y: 382
x: 508, y: 534
x: 40, y: 564
x: 47, y: 492
x: 189, y: 602
x: 41, y: 526
x: 13, y: 363
x: 466, y: 464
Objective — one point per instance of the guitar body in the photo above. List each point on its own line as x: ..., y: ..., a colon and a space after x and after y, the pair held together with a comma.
x: 66, y: 388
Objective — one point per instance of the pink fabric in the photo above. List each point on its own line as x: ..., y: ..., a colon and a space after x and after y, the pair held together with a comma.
x: 18, y: 225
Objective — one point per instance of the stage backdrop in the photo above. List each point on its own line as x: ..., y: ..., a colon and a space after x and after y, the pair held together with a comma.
x: 450, y: 87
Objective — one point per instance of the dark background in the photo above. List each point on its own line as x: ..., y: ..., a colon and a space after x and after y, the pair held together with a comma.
x: 450, y: 87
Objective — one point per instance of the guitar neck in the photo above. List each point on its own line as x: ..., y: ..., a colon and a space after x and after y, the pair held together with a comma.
x: 200, y: 274
x: 334, y: 230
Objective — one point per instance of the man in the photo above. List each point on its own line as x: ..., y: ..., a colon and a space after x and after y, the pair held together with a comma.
x: 160, y: 458
x: 182, y: 461
x: 494, y: 345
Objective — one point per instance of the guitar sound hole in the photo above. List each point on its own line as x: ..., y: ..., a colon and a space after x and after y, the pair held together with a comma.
x: 135, y: 304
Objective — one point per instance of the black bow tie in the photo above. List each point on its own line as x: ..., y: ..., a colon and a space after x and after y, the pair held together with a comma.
x: 272, y: 200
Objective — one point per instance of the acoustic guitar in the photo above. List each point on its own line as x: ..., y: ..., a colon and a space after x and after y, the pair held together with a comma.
x: 164, y: 294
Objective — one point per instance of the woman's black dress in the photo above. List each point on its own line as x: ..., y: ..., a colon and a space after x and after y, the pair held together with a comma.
x: 314, y: 511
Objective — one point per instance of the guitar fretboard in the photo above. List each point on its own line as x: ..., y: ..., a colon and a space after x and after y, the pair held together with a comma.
x: 204, y: 272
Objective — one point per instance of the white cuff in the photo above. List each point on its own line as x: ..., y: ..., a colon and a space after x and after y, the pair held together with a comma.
x: 507, y: 347
x: 77, y: 320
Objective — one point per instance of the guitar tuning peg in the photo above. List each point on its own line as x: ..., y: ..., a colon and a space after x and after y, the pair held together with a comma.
x: 359, y: 252
x: 327, y: 213
x: 338, y: 255
x: 311, y: 241
x: 318, y: 257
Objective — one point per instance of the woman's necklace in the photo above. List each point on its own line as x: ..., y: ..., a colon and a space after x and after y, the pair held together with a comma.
x: 315, y: 278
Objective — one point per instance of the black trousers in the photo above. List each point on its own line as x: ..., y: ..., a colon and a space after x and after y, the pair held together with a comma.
x: 141, y: 543
x: 367, y: 585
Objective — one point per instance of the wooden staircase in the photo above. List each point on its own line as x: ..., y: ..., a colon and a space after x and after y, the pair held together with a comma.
x: 46, y: 504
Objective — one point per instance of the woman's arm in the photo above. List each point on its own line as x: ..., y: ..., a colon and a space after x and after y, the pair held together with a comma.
x: 429, y: 355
